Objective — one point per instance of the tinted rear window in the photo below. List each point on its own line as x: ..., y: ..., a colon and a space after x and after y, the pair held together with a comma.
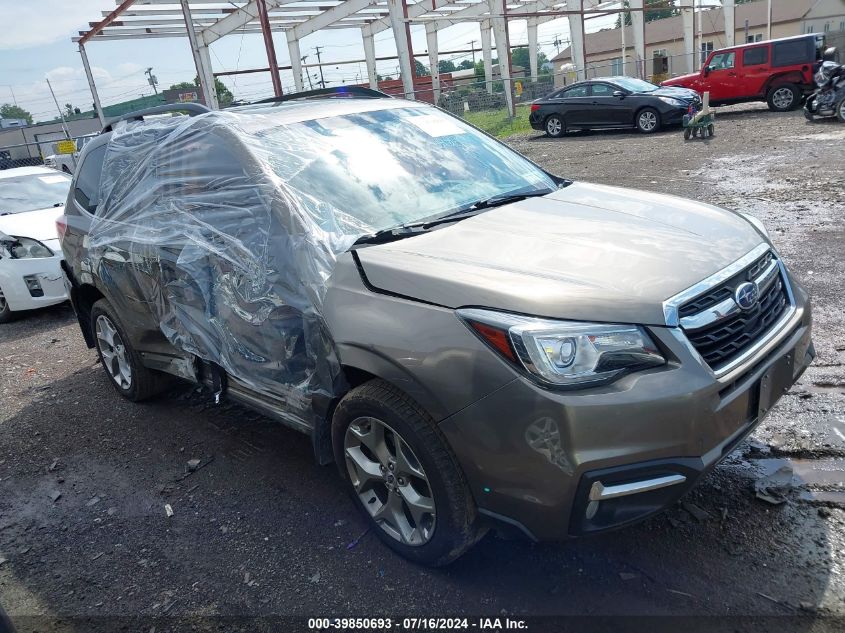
x: 88, y: 180
x: 755, y: 56
x: 792, y: 52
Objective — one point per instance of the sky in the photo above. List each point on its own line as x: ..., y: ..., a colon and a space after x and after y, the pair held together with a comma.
x: 36, y: 45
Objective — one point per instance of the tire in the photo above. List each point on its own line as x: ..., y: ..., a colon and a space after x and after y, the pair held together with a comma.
x: 711, y: 130
x: 687, y: 133
x: 648, y: 120
x: 784, y: 98
x: 554, y: 126
x: 6, y: 313
x: 840, y: 111
x: 394, y: 488
x: 122, y: 364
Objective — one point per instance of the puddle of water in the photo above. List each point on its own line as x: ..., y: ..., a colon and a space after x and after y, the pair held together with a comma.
x: 808, y: 472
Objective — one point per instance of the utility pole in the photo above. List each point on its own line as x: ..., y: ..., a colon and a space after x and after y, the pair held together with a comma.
x: 320, y: 65
x: 557, y: 44
x: 151, y: 79
x: 61, y: 116
x: 472, y: 46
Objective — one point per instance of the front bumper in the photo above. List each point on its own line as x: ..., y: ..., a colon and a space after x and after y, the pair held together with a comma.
x: 45, y: 271
x: 532, y: 456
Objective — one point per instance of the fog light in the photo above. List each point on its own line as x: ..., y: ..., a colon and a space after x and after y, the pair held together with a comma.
x: 33, y: 285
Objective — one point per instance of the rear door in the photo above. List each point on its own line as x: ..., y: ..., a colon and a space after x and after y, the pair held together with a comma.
x: 608, y: 110
x: 575, y: 104
x: 755, y: 69
x: 723, y: 80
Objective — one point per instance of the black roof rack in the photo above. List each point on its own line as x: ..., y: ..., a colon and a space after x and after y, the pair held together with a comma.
x: 335, y: 91
x: 192, y: 109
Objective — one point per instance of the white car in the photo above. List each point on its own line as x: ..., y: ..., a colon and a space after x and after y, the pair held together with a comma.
x: 31, y: 200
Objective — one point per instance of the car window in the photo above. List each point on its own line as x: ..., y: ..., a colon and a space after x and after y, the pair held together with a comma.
x: 380, y: 169
x: 31, y: 192
x: 722, y: 61
x: 575, y: 91
x: 792, y: 52
x: 603, y: 90
x: 85, y: 191
x: 755, y: 56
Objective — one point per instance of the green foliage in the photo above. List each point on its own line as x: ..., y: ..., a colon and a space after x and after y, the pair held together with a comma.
x: 662, y: 9
x: 521, y: 57
x: 224, y: 95
x: 465, y: 65
x: 446, y: 66
x: 497, y: 122
x: 420, y: 69
x: 10, y: 111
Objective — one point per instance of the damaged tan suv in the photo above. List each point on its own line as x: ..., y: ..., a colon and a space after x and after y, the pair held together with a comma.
x: 476, y: 343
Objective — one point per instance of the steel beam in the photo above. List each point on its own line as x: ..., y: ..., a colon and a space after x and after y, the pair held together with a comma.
x: 498, y: 9
x: 487, y: 55
x: 729, y: 10
x: 370, y: 56
x: 338, y: 12
x: 295, y: 60
x: 532, y: 47
x: 111, y: 17
x: 403, y: 45
x: 687, y: 8
x: 200, y: 53
x: 414, y: 11
x: 243, y: 16
x: 97, y: 106
x: 638, y: 27
x: 270, y: 47
x: 433, y: 61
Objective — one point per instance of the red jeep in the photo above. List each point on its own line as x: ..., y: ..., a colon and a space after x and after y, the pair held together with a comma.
x: 779, y: 72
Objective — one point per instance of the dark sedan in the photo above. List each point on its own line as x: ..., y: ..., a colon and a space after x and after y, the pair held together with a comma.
x: 611, y: 102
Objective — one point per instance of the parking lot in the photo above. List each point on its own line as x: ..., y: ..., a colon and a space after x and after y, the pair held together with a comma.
x: 258, y: 529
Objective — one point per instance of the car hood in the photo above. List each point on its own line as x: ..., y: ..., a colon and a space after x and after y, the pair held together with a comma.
x: 686, y: 94
x: 587, y: 252
x: 680, y: 80
x: 39, y: 225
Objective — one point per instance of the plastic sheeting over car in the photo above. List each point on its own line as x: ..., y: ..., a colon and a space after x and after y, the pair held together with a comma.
x: 229, y: 224
x: 230, y: 258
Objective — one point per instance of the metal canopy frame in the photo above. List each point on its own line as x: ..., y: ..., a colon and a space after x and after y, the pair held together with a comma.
x: 204, y: 22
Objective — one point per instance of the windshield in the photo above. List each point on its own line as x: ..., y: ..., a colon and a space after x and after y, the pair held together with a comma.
x: 634, y: 85
x: 32, y: 192
x: 381, y: 169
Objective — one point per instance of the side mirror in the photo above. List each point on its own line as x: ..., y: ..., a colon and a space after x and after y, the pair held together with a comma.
x: 707, y: 70
x: 619, y: 93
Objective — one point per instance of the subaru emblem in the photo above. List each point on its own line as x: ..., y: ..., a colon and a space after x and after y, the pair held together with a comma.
x: 746, y: 295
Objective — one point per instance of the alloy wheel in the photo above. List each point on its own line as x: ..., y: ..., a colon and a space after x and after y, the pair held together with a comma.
x: 648, y: 121
x: 842, y: 110
x: 2, y: 301
x: 782, y: 98
x: 554, y: 126
x: 113, y: 352
x: 390, y: 481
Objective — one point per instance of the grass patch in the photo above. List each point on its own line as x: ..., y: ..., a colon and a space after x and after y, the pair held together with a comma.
x: 497, y: 123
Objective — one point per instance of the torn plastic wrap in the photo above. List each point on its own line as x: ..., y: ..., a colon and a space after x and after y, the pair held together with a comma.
x: 204, y: 217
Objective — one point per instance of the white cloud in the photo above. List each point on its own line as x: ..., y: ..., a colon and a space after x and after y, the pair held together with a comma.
x: 46, y: 21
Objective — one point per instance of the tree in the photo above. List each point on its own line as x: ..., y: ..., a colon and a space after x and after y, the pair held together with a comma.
x: 465, y: 65
x: 9, y: 111
x: 659, y: 9
x: 446, y: 66
x: 520, y: 57
x: 421, y: 70
x: 224, y: 95
x: 70, y: 110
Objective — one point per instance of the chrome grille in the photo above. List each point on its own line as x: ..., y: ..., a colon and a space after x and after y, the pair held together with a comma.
x: 719, y: 329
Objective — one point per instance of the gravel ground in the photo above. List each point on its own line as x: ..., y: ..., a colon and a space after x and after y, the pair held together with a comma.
x: 259, y: 529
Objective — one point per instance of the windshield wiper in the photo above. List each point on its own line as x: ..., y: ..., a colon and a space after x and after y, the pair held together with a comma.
x: 466, y: 211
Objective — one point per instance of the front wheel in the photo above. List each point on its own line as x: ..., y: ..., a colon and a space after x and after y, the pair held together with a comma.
x: 784, y: 98
x: 555, y: 127
x: 6, y: 313
x: 687, y: 133
x: 121, y: 362
x: 402, y: 475
x: 648, y: 120
x: 840, y: 111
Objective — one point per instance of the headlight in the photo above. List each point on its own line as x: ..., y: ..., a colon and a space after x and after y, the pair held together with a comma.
x: 24, y: 248
x: 565, y: 353
x: 757, y: 224
x: 671, y: 101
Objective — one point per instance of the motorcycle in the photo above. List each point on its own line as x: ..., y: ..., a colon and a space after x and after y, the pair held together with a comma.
x: 829, y: 97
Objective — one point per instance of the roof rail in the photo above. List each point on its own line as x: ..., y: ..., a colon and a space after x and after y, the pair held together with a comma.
x: 335, y: 91
x: 193, y: 109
